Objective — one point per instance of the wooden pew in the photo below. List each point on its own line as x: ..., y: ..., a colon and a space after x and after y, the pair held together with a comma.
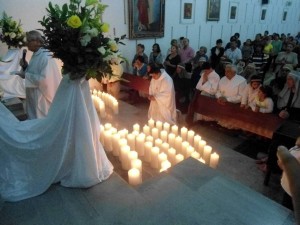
x: 262, y: 124
x: 135, y: 82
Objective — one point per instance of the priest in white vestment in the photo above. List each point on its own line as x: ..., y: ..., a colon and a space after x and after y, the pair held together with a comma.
x: 42, y: 77
x: 162, y: 96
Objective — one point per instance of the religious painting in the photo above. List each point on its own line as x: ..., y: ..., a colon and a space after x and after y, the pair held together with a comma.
x: 263, y: 14
x: 187, y: 11
x: 213, y: 10
x: 233, y: 12
x: 146, y: 18
x: 284, y: 15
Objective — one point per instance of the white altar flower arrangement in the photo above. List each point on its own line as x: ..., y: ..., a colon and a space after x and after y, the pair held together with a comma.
x: 11, y: 32
x: 75, y: 34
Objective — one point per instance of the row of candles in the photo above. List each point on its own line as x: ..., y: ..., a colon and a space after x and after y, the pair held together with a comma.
x: 102, y: 99
x: 159, y: 144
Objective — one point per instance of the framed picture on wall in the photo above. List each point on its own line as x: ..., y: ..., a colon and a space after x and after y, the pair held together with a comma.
x: 187, y: 11
x: 233, y: 12
x: 146, y: 18
x: 284, y: 15
x: 213, y: 10
x: 263, y: 15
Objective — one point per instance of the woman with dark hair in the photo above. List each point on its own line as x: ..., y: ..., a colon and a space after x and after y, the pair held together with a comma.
x: 156, y: 56
x: 263, y: 101
x: 216, y: 53
x: 172, y: 60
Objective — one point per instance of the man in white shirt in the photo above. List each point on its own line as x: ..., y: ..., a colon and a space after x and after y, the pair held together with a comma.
x: 234, y: 54
x: 231, y: 86
x: 162, y: 96
x: 42, y: 77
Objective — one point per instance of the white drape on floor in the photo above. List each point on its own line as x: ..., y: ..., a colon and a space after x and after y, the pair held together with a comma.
x: 62, y: 147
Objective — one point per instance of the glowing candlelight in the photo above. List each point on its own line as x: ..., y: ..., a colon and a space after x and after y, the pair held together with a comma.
x: 150, y: 139
x: 137, y: 163
x: 154, y: 157
x: 179, y: 158
x: 166, y: 127
x: 175, y: 130
x: 107, y: 126
x: 189, y: 151
x: 158, y: 143
x: 154, y: 133
x: 201, y: 145
x: 178, y: 141
x: 190, y: 137
x: 197, y: 139
x: 195, y: 155
x: 134, y: 177
x: 164, y: 147
x: 164, y: 136
x: 151, y: 123
x: 136, y: 127
x: 206, y: 153
x: 165, y: 165
x: 214, y: 160
x: 183, y: 133
x: 124, y: 157
x: 147, y: 151
x: 140, y: 140
x: 172, y: 155
x: 183, y: 149
x: 131, y: 141
x: 159, y: 126
x: 146, y: 130
x: 162, y: 157
x: 115, y: 144
x: 202, y: 160
x: 171, y: 140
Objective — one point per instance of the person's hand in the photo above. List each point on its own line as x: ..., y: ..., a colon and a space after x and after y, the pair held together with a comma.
x: 284, y: 114
x: 243, y: 106
x: 23, y: 63
x: 222, y: 100
x: 146, y: 77
x: 291, y: 167
x: 151, y: 98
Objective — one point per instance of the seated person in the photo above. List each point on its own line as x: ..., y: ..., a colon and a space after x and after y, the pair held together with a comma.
x: 162, y: 96
x: 201, y: 53
x: 249, y: 71
x: 156, y: 56
x: 140, y: 67
x: 231, y: 86
x: 288, y: 102
x: 279, y: 81
x: 172, y: 60
x: 208, y: 83
x: 263, y: 101
x: 250, y: 92
x: 140, y: 48
x: 216, y: 53
x: 259, y: 59
x: 196, y: 73
x: 233, y: 54
x: 182, y: 86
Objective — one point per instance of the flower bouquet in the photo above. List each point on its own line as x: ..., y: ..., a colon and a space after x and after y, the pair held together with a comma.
x: 74, y: 33
x: 12, y: 33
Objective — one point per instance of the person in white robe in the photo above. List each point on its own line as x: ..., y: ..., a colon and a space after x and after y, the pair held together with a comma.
x: 62, y: 147
x: 231, y: 86
x: 42, y: 77
x: 162, y: 96
x: 250, y: 93
x: 12, y: 86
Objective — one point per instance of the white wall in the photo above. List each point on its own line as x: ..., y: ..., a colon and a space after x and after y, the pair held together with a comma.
x: 201, y: 32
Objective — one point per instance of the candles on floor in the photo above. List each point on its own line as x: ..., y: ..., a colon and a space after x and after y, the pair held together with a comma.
x: 102, y: 99
x: 134, y: 177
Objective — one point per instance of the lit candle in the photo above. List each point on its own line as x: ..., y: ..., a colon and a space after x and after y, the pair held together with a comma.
x: 164, y: 136
x: 159, y: 126
x: 134, y: 177
x: 171, y: 140
x: 136, y: 127
x: 123, y: 133
x: 132, y: 155
x: 175, y: 130
x: 183, y: 133
x: 162, y: 157
x: 179, y: 158
x: 124, y: 157
x: 99, y: 94
x: 95, y: 92
x: 137, y: 163
x: 158, y: 143
x: 195, y: 155
x: 206, y: 153
x: 102, y: 109
x: 107, y: 140
x: 154, y: 157
x: 115, y: 144
x: 189, y: 151
x: 164, y: 147
x: 149, y: 138
x: 178, y: 141
x: 167, y: 127
x: 165, y: 165
x: 190, y: 137
x: 102, y: 134
x: 107, y: 126
x: 151, y: 123
x: 154, y: 133
x: 131, y: 141
x: 172, y: 155
x: 214, y: 160
x: 146, y: 130
x: 140, y: 140
x: 115, y: 107
x: 147, y: 151
x: 197, y: 139
x: 201, y: 145
x: 183, y: 149
x: 202, y: 160
x: 122, y: 142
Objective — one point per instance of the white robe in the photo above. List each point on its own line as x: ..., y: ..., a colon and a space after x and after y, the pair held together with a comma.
x: 62, y: 147
x: 164, y: 107
x: 12, y: 85
x: 210, y: 87
x: 232, y: 89
x: 42, y: 78
x: 249, y: 95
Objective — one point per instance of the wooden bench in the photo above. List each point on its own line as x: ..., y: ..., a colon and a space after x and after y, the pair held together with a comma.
x: 261, y: 124
x: 135, y: 82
